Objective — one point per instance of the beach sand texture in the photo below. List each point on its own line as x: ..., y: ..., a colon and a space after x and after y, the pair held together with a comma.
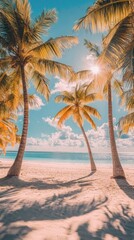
x: 66, y: 202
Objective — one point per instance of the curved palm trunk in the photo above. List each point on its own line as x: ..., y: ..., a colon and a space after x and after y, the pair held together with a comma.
x: 16, y: 167
x: 117, y: 168
x: 93, y: 166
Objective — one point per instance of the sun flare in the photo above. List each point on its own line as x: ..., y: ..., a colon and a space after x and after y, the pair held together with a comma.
x: 95, y: 69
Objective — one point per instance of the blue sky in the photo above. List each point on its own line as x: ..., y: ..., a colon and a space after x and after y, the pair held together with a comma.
x: 43, y: 134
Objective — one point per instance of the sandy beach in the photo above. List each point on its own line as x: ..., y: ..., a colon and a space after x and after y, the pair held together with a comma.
x: 66, y: 202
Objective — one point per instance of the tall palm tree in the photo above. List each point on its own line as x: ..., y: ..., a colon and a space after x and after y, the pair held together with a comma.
x: 28, y: 57
x: 77, y: 109
x: 107, y: 90
x: 117, y: 17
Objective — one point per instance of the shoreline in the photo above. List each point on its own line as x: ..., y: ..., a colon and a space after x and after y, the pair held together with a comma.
x: 66, y: 163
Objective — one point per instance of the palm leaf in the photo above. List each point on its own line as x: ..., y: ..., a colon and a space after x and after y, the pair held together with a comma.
x: 118, y: 44
x: 43, y: 23
x: 52, y: 67
x: 77, y: 116
x: 127, y: 99
x: 81, y: 75
x: 41, y: 84
x: 24, y: 9
x: 126, y: 123
x: 92, y: 97
x: 118, y: 87
x: 62, y: 112
x: 63, y: 115
x: 53, y: 47
x: 92, y: 47
x: 92, y: 111
x: 88, y: 118
x: 65, y: 99
x: 103, y: 14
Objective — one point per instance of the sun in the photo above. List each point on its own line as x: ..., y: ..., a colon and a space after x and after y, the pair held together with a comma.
x: 95, y: 69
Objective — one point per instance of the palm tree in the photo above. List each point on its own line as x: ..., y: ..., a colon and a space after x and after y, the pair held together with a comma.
x: 76, y: 107
x: 118, y: 17
x: 107, y: 90
x: 28, y: 57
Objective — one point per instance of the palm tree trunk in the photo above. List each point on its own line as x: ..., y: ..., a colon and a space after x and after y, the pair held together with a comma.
x: 117, y: 168
x: 93, y: 166
x: 16, y: 167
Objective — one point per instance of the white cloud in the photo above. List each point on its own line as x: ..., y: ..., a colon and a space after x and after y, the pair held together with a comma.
x: 53, y: 123
x: 65, y: 139
x: 62, y: 85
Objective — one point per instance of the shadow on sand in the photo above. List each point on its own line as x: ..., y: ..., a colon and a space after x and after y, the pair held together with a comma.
x: 126, y: 187
x: 13, y: 221
x: 40, y: 185
x: 118, y: 225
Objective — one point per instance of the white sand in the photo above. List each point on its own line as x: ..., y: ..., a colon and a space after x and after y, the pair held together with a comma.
x: 64, y: 201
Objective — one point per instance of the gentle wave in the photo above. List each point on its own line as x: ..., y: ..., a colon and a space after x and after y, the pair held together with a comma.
x: 69, y: 157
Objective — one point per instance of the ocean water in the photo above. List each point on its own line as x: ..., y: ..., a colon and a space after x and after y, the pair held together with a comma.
x: 69, y: 157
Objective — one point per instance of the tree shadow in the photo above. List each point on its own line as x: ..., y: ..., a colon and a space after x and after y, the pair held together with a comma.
x: 12, y: 233
x: 126, y: 187
x: 54, y: 208
x: 40, y: 185
x: 118, y: 224
x: 7, y: 231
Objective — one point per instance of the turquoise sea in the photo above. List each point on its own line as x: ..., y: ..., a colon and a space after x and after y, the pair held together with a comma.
x: 69, y: 157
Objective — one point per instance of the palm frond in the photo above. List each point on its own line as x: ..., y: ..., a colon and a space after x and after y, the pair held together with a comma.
x: 118, y: 44
x: 43, y: 23
x: 64, y: 98
x: 33, y: 100
x: 92, y: 97
x: 127, y: 99
x: 52, y: 67
x: 53, y: 47
x: 24, y: 9
x: 7, y: 28
x: 62, y: 112
x: 92, y: 47
x: 77, y: 116
x: 118, y: 87
x: 88, y: 118
x: 127, y: 63
x: 126, y: 123
x: 103, y: 14
x: 40, y: 83
x: 81, y: 75
x: 5, y: 62
x: 92, y: 111
x: 63, y: 115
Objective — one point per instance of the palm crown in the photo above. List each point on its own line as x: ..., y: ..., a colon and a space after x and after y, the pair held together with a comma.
x: 21, y: 41
x: 77, y: 106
